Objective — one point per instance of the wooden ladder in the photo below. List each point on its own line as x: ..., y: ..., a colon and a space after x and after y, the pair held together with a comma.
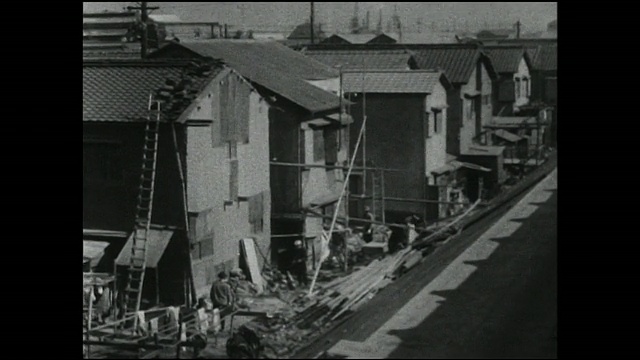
x: 138, y: 261
x: 377, y: 198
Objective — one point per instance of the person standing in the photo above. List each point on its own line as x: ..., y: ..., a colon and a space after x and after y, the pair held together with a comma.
x: 299, y: 263
x: 368, y: 227
x: 222, y: 297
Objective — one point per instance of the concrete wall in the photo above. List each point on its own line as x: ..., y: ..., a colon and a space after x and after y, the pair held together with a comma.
x: 218, y: 216
x: 436, y: 142
x: 395, y: 139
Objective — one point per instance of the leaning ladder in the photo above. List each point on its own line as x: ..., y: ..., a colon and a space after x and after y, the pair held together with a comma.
x: 137, y: 265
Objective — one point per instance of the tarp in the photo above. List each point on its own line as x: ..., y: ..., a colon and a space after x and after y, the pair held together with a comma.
x: 156, y: 244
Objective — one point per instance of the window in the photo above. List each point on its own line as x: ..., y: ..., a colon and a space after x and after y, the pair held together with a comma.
x: 518, y: 87
x: 233, y: 180
x: 525, y: 85
x: 486, y: 99
x: 201, y: 240
x: 331, y: 137
x: 437, y: 121
x: 471, y: 109
x: 102, y: 163
x: 428, y: 125
x: 318, y: 145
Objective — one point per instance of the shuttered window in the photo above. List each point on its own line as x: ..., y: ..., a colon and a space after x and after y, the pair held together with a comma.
x: 507, y: 91
x: 242, y: 111
x: 318, y: 145
x: 233, y: 179
x: 331, y: 145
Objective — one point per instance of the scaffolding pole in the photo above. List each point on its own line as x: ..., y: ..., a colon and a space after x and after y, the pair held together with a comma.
x: 335, y: 212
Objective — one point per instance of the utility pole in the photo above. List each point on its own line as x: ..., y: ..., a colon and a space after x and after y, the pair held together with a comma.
x: 312, y: 37
x: 144, y: 18
x: 518, y: 29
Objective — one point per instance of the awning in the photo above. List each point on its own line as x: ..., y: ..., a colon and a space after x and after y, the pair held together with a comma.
x: 482, y: 150
x: 318, y: 122
x: 93, y: 251
x: 472, y: 93
x: 474, y: 167
x: 344, y: 119
x: 156, y: 244
x: 455, y: 165
x: 511, y: 137
x: 324, y: 200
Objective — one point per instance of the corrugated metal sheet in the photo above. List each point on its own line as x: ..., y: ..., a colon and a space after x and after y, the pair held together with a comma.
x: 157, y: 242
x: 363, y: 59
x: 273, y: 66
x: 457, y: 63
x: 505, y: 59
x: 405, y: 82
x: 119, y: 90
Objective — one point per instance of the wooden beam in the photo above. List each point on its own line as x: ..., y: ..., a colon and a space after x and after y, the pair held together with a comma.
x: 299, y: 165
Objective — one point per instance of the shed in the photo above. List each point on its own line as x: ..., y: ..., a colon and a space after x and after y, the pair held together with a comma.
x: 491, y: 157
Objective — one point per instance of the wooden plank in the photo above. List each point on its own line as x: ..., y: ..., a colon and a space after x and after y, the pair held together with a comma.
x: 252, y: 261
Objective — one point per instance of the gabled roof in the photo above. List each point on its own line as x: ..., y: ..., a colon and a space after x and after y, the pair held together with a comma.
x: 506, y: 58
x: 544, y: 57
x: 363, y: 58
x: 388, y: 82
x: 303, y: 32
x: 457, y: 61
x: 352, y: 38
x: 118, y: 91
x: 110, y: 50
x: 271, y: 65
x: 424, y: 38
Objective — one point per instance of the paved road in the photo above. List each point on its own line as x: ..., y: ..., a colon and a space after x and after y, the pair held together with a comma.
x: 497, y: 299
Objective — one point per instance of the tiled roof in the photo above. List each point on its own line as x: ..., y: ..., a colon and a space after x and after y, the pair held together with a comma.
x: 119, y: 90
x: 363, y: 59
x: 110, y: 50
x: 406, y: 82
x: 274, y: 67
x: 505, y: 59
x: 457, y: 62
x: 424, y: 38
x: 544, y: 57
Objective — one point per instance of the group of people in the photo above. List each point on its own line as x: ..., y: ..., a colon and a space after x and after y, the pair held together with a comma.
x: 100, y: 297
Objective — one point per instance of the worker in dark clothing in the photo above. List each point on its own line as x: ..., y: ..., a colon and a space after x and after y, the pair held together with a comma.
x: 368, y: 227
x: 223, y: 297
x: 299, y: 263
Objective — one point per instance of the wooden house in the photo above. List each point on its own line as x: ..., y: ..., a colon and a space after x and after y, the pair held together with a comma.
x: 212, y: 171
x: 307, y: 135
x: 407, y: 119
x: 512, y: 90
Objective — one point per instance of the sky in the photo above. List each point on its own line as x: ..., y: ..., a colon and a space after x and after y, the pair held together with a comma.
x: 282, y: 16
